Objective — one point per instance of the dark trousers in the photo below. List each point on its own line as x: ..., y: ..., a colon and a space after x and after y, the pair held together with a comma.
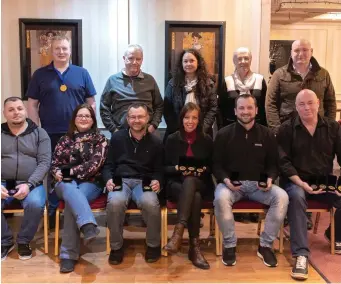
x: 52, y: 197
x: 188, y: 197
x: 298, y: 220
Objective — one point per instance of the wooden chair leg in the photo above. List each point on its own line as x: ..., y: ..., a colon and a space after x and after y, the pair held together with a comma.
x: 317, y: 220
x: 212, y: 223
x: 56, y: 239
x: 108, y: 239
x: 217, y: 238
x: 220, y: 243
x: 46, y: 231
x: 164, y: 229
x: 281, y: 238
x: 332, y: 230
x: 259, y: 227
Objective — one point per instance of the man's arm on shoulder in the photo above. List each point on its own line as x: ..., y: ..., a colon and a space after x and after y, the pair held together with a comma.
x: 272, y: 156
x: 105, y: 106
x: 157, y: 106
x: 33, y: 110
x: 271, y: 102
x: 91, y: 101
x: 218, y: 158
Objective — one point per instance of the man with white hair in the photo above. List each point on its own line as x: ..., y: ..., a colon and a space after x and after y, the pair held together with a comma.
x: 308, y: 144
x: 242, y: 81
x: 129, y: 86
x: 302, y: 72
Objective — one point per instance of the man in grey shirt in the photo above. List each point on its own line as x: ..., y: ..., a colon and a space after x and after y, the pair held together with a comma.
x: 25, y: 160
x: 129, y: 86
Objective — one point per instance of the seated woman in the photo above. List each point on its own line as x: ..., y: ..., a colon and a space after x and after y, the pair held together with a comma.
x: 188, y: 158
x: 76, y: 165
x: 190, y: 83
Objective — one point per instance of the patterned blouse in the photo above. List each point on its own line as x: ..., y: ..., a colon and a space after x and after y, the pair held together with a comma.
x: 84, y: 153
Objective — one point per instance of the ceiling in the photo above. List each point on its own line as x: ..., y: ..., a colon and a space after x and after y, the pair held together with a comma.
x: 287, y: 12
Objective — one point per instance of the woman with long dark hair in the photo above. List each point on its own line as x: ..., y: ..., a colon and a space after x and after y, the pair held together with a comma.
x: 76, y: 165
x: 190, y: 83
x: 188, y: 159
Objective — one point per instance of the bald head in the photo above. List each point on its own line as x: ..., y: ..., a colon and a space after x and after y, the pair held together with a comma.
x: 301, y: 41
x: 307, y: 105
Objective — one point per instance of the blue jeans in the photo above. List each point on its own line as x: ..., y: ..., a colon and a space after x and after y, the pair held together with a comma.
x: 276, y: 198
x: 298, y: 220
x: 148, y: 202
x: 77, y: 212
x: 33, y: 205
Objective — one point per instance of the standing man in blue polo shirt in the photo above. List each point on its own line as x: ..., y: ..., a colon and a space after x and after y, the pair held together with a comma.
x: 54, y: 92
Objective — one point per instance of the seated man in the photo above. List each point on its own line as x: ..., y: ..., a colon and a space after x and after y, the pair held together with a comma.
x: 25, y: 159
x: 308, y: 144
x: 245, y: 164
x: 133, y: 170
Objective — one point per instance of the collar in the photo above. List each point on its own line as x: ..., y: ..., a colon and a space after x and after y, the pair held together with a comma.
x: 315, y: 66
x: 51, y: 66
x: 133, y: 138
x: 298, y: 122
x: 140, y: 75
x: 305, y: 73
x: 241, y: 127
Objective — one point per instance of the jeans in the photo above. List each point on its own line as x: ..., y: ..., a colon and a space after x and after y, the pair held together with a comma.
x: 52, y: 197
x: 276, y: 198
x: 148, y: 202
x: 188, y: 198
x: 298, y: 220
x: 77, y: 212
x: 33, y: 205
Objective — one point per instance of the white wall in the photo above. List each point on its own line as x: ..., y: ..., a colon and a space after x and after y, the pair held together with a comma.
x: 109, y: 25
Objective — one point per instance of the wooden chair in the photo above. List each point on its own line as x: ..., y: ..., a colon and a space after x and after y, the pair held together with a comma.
x: 315, y: 206
x: 98, y: 205
x: 248, y: 206
x: 171, y: 207
x: 16, y: 207
x: 133, y: 209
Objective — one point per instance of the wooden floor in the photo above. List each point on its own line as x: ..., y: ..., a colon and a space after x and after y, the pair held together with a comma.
x: 93, y: 265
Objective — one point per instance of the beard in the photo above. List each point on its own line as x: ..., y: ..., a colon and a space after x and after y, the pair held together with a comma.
x: 246, y: 120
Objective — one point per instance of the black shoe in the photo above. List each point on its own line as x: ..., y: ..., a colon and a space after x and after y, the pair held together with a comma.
x: 337, y: 244
x: 229, y: 256
x: 5, y: 250
x: 152, y: 254
x: 268, y: 256
x: 52, y: 221
x: 300, y: 269
x: 67, y: 265
x: 24, y: 251
x: 116, y: 256
x: 89, y: 231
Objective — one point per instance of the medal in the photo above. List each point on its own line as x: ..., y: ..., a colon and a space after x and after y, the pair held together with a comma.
x: 63, y: 88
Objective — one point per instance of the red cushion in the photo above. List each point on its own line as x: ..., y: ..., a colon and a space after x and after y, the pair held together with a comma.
x: 132, y: 205
x: 205, y: 205
x: 13, y: 206
x: 99, y: 203
x: 314, y: 204
x: 248, y: 204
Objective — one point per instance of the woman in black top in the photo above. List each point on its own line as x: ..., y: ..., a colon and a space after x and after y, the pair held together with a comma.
x: 190, y: 83
x: 188, y: 159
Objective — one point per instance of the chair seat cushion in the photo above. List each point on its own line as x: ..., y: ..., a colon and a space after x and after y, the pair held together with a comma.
x: 315, y: 204
x: 249, y: 204
x: 98, y: 203
x: 205, y: 204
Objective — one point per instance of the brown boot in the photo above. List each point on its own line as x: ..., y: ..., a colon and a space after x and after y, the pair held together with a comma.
x: 195, y: 255
x: 175, y: 241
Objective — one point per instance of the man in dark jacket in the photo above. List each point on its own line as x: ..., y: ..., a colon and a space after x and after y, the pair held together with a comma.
x: 245, y: 166
x: 308, y: 144
x: 302, y: 72
x: 129, y: 86
x: 133, y: 170
x: 25, y: 159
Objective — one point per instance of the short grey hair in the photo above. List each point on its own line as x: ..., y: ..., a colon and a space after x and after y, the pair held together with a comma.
x: 134, y: 47
x: 240, y: 50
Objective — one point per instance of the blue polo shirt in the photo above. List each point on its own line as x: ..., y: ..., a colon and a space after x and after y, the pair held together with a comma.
x: 55, y: 106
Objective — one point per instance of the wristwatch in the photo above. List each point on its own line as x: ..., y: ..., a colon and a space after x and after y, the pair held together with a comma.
x: 30, y: 185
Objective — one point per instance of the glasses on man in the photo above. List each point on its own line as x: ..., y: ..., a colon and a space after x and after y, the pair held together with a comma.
x: 84, y: 116
x: 136, y: 117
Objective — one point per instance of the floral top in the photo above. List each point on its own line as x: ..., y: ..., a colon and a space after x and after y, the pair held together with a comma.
x: 84, y: 153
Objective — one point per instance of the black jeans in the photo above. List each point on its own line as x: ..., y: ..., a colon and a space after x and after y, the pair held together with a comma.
x: 188, y: 196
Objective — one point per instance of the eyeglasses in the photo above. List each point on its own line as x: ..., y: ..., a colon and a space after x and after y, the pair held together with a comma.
x: 138, y: 117
x: 86, y: 116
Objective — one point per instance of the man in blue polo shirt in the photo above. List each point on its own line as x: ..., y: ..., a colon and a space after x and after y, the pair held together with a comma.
x: 54, y: 92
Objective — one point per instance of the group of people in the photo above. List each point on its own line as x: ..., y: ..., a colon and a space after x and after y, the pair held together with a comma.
x: 287, y: 130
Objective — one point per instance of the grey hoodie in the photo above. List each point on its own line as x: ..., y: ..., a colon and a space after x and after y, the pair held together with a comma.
x: 26, y: 157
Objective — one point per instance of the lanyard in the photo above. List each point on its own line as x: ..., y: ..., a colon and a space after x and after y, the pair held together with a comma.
x: 62, y: 77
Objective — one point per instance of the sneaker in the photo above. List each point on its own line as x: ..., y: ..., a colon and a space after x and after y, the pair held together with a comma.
x: 337, y: 244
x: 5, y: 250
x: 300, y: 269
x: 268, y: 256
x: 89, y: 231
x: 24, y: 251
x: 229, y: 256
x: 67, y: 265
x: 152, y: 254
x: 116, y: 256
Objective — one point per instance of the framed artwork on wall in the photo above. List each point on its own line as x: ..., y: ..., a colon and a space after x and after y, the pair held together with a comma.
x: 280, y: 52
x: 35, y: 44
x: 207, y: 37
